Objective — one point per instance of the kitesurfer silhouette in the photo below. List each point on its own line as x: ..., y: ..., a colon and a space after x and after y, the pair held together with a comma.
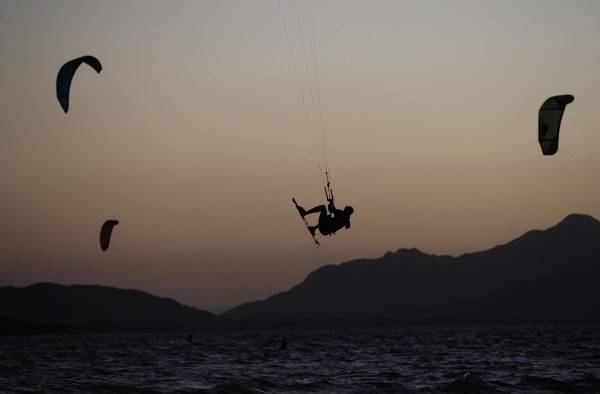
x: 331, y: 219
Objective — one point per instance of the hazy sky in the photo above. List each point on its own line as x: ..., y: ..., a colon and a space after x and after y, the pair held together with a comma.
x: 195, y: 137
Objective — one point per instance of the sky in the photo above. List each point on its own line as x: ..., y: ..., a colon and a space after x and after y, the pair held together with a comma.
x: 197, y: 134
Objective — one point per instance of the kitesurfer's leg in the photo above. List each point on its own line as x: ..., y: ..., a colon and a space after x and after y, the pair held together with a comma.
x: 318, y: 209
x: 324, y: 221
x: 300, y: 209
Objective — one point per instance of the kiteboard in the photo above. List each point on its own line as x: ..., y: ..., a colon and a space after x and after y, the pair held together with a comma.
x: 305, y: 222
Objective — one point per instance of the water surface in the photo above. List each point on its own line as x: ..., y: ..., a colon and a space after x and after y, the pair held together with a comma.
x: 532, y: 359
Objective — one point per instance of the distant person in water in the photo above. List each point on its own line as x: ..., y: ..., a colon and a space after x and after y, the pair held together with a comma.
x: 283, y: 345
x: 331, y: 219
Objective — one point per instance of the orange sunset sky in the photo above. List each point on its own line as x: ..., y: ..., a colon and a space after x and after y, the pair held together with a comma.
x: 195, y: 137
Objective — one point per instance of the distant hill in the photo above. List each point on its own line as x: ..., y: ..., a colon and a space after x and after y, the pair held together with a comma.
x: 18, y: 327
x: 542, y: 276
x: 98, y: 306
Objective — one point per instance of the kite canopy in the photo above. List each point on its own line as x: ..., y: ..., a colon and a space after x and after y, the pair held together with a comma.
x: 550, y: 116
x: 65, y: 76
x: 105, y: 233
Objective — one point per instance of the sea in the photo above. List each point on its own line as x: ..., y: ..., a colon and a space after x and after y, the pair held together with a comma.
x: 490, y: 359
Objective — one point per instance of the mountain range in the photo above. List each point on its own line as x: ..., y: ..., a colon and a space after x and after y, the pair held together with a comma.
x: 96, y: 306
x: 543, y: 276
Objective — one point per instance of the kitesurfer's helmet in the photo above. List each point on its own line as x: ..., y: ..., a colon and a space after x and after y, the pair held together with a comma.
x: 348, y: 210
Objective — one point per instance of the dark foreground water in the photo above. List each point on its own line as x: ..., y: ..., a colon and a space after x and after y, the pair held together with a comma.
x: 534, y: 359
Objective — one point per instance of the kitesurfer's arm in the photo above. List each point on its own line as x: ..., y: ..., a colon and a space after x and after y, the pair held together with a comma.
x: 331, y: 206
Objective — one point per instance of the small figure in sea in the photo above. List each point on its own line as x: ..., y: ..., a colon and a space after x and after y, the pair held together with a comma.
x: 190, y: 338
x: 283, y: 345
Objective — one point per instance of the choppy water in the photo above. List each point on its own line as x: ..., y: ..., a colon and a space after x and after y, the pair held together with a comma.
x: 535, y: 359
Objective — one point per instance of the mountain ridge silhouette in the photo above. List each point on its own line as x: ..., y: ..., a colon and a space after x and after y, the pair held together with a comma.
x: 94, y: 305
x: 543, y: 275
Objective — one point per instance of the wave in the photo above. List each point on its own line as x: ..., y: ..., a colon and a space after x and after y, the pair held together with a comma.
x: 469, y: 383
